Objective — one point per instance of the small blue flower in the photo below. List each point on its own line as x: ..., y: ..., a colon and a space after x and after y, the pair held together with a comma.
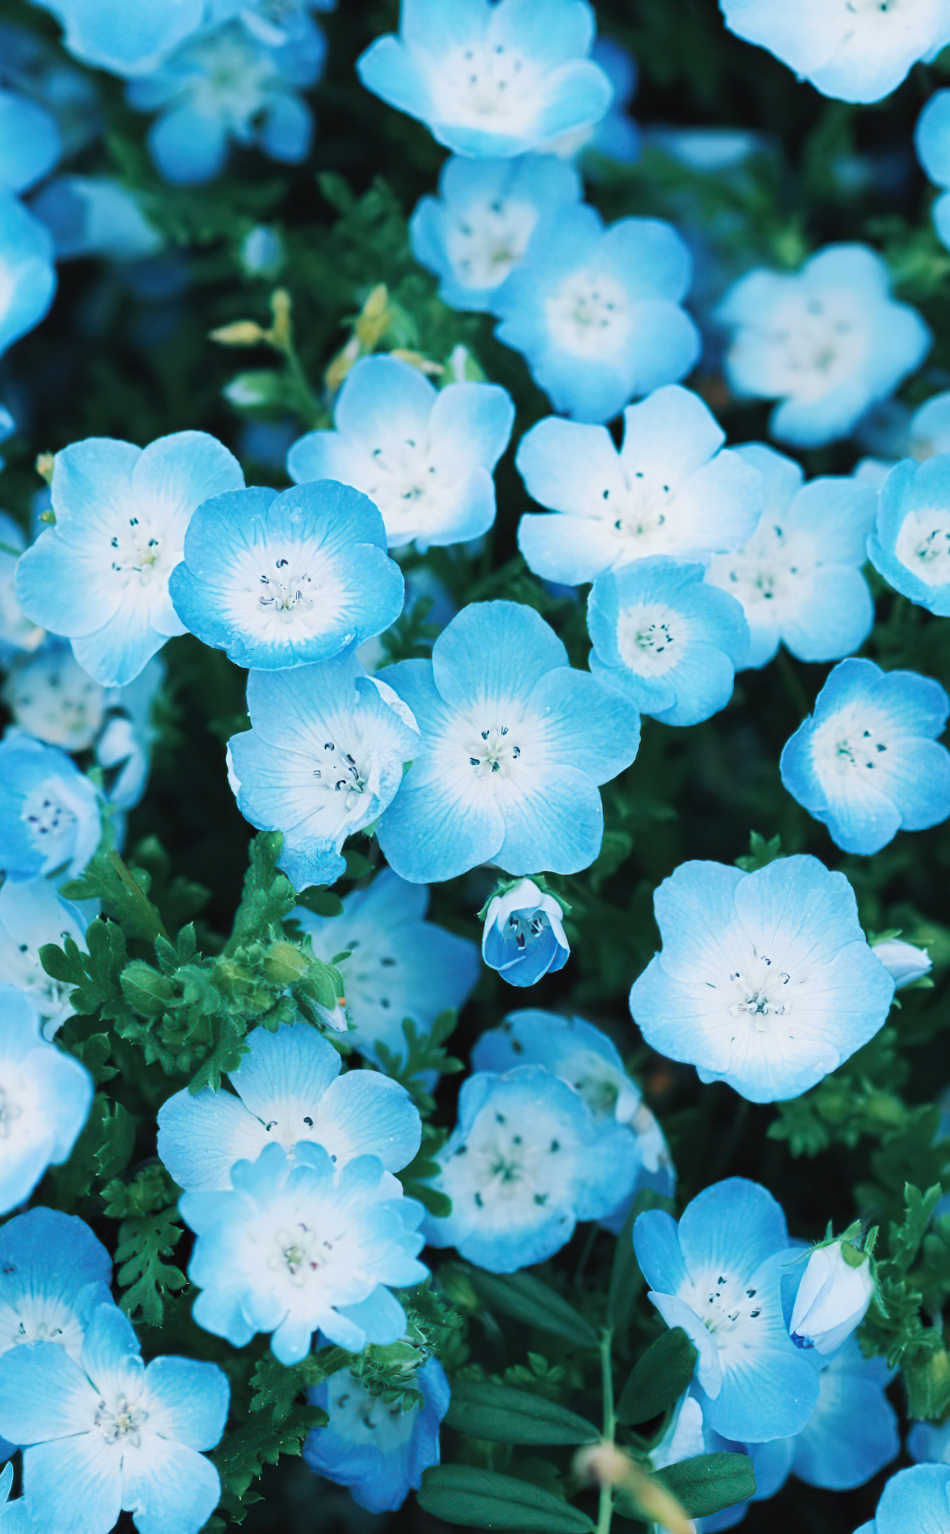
x: 262, y: 253
x: 514, y: 745
x: 53, y: 1273
x: 124, y: 746
x: 910, y: 545
x: 377, y: 1450
x: 53, y: 699
x: 285, y: 580
x: 932, y: 141
x: 45, y: 1097
x: 853, y: 1431
x: 597, y: 312
x: 17, y: 633
x: 289, y: 1089
x: 27, y: 273
x: 477, y: 230
x: 423, y: 456
x: 399, y: 965
x: 126, y: 41
x: 488, y: 79
x: 523, y: 936
x: 526, y: 1160
x: 49, y: 812
x: 867, y: 762
x: 828, y: 342
x: 99, y: 576
x: 323, y: 759
x: 917, y: 1499
x: 798, y: 577
x: 109, y: 1433
x: 30, y: 915
x: 96, y: 216
x: 765, y: 981
x: 666, y: 639
x: 30, y: 144
x: 671, y: 489
x: 717, y: 1274
x: 296, y: 1247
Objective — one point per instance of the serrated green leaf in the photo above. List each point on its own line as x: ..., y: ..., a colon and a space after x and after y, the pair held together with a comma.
x: 501, y: 1414
x: 123, y: 892
x: 267, y: 897
x: 241, y: 1456
x: 709, y: 1482
x: 659, y: 1378
x: 534, y: 1303
x: 483, y: 1499
x: 116, y: 1143
x: 144, y: 1275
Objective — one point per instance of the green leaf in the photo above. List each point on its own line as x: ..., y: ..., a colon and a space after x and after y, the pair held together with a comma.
x: 483, y: 1499
x: 116, y: 1143
x: 357, y: 866
x: 532, y: 1302
x: 321, y: 901
x: 147, y: 1279
x: 123, y: 892
x: 710, y: 1482
x: 267, y: 897
x: 241, y: 1456
x: 761, y: 853
x: 91, y: 973
x: 503, y: 1415
x: 904, y: 1240
x: 658, y: 1379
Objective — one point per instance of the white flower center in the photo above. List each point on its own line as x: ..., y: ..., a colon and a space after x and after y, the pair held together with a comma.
x: 772, y: 576
x: 497, y: 1167
x: 299, y: 1252
x: 405, y: 483
x: 809, y: 345
x: 231, y: 78
x: 485, y: 85
x: 923, y: 545
x: 493, y: 750
x: 652, y: 638
x: 287, y: 588
x: 46, y: 817
x: 338, y: 773
x: 38, y: 1317
x: 9, y: 1110
x: 759, y: 992
x: 52, y: 698
x: 120, y: 1421
x: 589, y: 315
x: 139, y: 553
x: 286, y: 592
x: 729, y: 1308
x: 489, y: 239
x: 852, y: 743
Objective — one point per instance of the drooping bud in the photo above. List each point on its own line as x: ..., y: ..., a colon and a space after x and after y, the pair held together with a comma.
x: 836, y: 1289
x: 904, y: 962
x: 523, y: 937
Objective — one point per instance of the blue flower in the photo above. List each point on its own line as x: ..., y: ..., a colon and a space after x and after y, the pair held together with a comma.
x: 910, y: 545
x: 100, y: 574
x: 96, y: 216
x: 853, y: 52
x: 929, y: 1444
x: 53, y: 1273
x: 424, y: 457
x: 27, y: 273
x: 616, y: 137
x: 669, y: 490
x: 916, y: 1499
x: 109, y: 1433
x: 53, y: 699
x: 45, y: 1097
x: 30, y: 144
x: 284, y: 580
x: 798, y: 577
x: 30, y: 915
x: 490, y: 79
x: 49, y: 812
x: 765, y: 981
x: 379, y: 1451
x: 17, y: 633
x: 477, y: 230
x: 125, y: 40
x: 323, y: 759
x: 399, y: 964
x: 596, y: 312
x: 718, y: 1275
x: 514, y: 745
x: 666, y: 639
x: 932, y: 141
x: 296, y: 1247
x: 228, y: 86
x: 124, y: 746
x: 828, y: 342
x: 870, y: 721
x: 523, y: 936
x: 289, y: 1089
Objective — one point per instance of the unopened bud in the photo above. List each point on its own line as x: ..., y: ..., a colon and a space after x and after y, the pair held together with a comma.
x: 417, y: 360
x: 45, y: 464
x: 833, y: 1297
x: 904, y: 962
x: 241, y: 333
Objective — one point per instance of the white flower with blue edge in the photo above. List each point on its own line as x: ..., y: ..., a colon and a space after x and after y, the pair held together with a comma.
x: 672, y: 489
x: 904, y: 962
x: 45, y: 1096
x: 834, y: 1292
x: 296, y: 1247
x: 108, y: 35
x: 53, y: 1274
x: 289, y: 1089
x: 17, y: 633
x: 717, y: 1274
x: 398, y: 964
x: 918, y: 1499
x: 672, y: 643
x: 491, y: 79
x: 377, y: 1449
x: 765, y: 981
x: 27, y: 273
x: 49, y: 812
x: 110, y: 1433
x: 514, y: 745
x: 867, y: 762
x: 53, y: 699
x: 523, y: 936
x: 477, y: 230
x: 32, y: 914
x: 597, y: 313
x: 423, y: 456
x: 30, y: 144
x: 910, y: 545
x: 798, y: 576
x: 278, y: 580
x: 323, y: 759
x: 827, y: 342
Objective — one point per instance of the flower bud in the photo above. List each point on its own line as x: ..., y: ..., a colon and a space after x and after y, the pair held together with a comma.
x: 523, y: 936
x: 835, y: 1292
x: 904, y: 962
x: 262, y: 252
x: 241, y: 333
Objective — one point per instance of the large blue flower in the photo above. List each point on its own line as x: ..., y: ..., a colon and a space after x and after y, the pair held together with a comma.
x: 27, y: 273
x: 125, y: 39
x: 867, y: 761
x: 765, y: 981
x: 491, y: 79
x: 917, y: 1499
x: 49, y: 812
x: 910, y: 545
x: 45, y: 1096
x: 596, y: 312
x: 514, y: 745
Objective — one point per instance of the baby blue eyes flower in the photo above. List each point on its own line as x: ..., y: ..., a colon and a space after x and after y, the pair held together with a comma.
x: 127, y: 40
x: 296, y: 1247
x: 45, y: 1097
x: 49, y: 812
x: 798, y: 576
x: 96, y: 216
x: 828, y: 342
x: 53, y: 699
x: 289, y: 1089
x: 833, y: 1296
x: 30, y: 915
x: 30, y: 144
x: 423, y: 456
x: 671, y: 489
x: 514, y: 744
x: 526, y: 1161
x: 99, y: 576
x: 523, y: 937
x: 53, y: 1273
x: 379, y: 1451
x: 669, y: 641
x: 27, y: 273
x: 904, y: 962
x: 597, y: 312
x: 109, y: 1433
x: 910, y: 545
x: 914, y: 1499
x: 283, y: 580
x: 323, y: 759
x: 867, y: 761
x: 491, y: 79
x: 718, y: 1275
x: 477, y: 230
x: 765, y: 981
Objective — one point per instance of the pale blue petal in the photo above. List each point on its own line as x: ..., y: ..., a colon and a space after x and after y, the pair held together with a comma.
x: 656, y: 1244
x: 284, y: 1069
x: 733, y: 1225
x: 73, y: 1484
x: 169, y: 1488
x: 187, y: 1401
x: 188, y: 147
x: 491, y: 652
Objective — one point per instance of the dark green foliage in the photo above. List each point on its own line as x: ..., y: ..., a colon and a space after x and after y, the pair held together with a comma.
x: 482, y: 1499
x: 660, y: 1377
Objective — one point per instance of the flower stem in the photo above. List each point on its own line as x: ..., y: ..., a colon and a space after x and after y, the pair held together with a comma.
x: 605, y: 1513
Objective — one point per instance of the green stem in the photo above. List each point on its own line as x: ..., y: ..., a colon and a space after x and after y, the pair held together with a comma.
x: 793, y: 684
x: 308, y: 399
x: 605, y: 1514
